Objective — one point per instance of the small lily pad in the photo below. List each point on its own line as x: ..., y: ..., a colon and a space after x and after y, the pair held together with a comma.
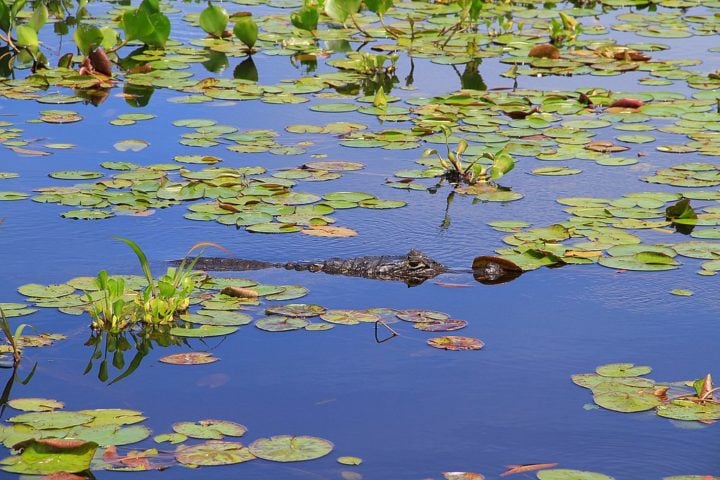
x: 202, y: 331
x: 421, y: 315
x: 296, y: 310
x: 446, y: 325
x: 280, y: 324
x: 210, y: 429
x: 622, y: 370
x: 349, y: 460
x: 189, y: 358
x: 348, y: 317
x: 46, y: 291
x: 453, y: 342
x: 35, y: 404
x: 567, y: 474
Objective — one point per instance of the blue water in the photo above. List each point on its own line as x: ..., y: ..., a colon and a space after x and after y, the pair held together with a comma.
x: 408, y: 410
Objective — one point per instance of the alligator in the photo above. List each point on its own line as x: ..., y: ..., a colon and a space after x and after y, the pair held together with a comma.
x: 412, y: 268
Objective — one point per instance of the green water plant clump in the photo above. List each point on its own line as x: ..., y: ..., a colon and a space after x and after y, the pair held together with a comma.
x: 115, y: 307
x: 472, y: 172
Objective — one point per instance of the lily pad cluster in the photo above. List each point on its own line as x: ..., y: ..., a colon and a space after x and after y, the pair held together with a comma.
x: 47, y: 440
x: 607, y: 232
x: 241, y: 197
x: 622, y: 387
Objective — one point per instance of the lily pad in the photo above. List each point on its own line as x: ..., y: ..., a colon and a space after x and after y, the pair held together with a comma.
x: 453, y: 342
x: 566, y: 474
x: 622, y: 370
x: 53, y: 419
x: 190, y: 358
x: 35, y: 404
x: 446, y: 325
x: 46, y: 291
x: 296, y: 310
x: 213, y: 452
x: 202, y: 331
x: 51, y: 456
x: 348, y: 317
x: 627, y: 402
x: 421, y: 315
x: 280, y: 324
x: 690, y: 411
x: 289, y: 448
x: 210, y: 429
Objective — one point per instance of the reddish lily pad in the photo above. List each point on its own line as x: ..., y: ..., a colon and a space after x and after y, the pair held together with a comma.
x: 190, y: 358
x: 452, y: 342
x: 421, y: 315
x: 446, y: 325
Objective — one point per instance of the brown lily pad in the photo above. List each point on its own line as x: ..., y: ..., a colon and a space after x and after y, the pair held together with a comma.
x: 189, y: 358
x: 453, y: 342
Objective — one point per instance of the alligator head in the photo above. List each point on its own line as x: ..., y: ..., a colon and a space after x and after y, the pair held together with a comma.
x: 414, y: 268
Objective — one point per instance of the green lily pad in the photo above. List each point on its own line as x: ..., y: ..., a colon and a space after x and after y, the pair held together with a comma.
x: 46, y: 291
x: 217, y: 317
x: 354, y: 197
x: 566, y: 474
x: 173, y: 438
x: 643, y: 261
x: 87, y: 214
x: 348, y: 317
x: 13, y: 195
x: 290, y: 292
x: 334, y: 107
x: 312, y: 327
x: 106, y: 435
x: 296, y: 310
x: 622, y: 370
x: 76, y: 175
x: 51, y: 456
x: 350, y: 460
x: 210, y: 429
x: 288, y: 448
x: 556, y: 171
x: 627, y: 402
x: 53, y: 419
x: 382, y: 204
x: 281, y: 324
x: 690, y: 411
x: 202, y: 331
x: 273, y: 228
x: 681, y: 292
x: 35, y: 404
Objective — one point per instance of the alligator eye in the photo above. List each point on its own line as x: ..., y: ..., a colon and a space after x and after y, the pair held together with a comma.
x: 414, y: 264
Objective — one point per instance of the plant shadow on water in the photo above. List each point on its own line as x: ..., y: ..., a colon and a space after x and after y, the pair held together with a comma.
x: 292, y: 132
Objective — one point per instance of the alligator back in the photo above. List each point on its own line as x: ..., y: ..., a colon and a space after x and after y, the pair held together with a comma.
x: 412, y: 268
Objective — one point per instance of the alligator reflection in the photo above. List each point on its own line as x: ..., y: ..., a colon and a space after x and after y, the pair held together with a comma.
x: 110, y: 349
